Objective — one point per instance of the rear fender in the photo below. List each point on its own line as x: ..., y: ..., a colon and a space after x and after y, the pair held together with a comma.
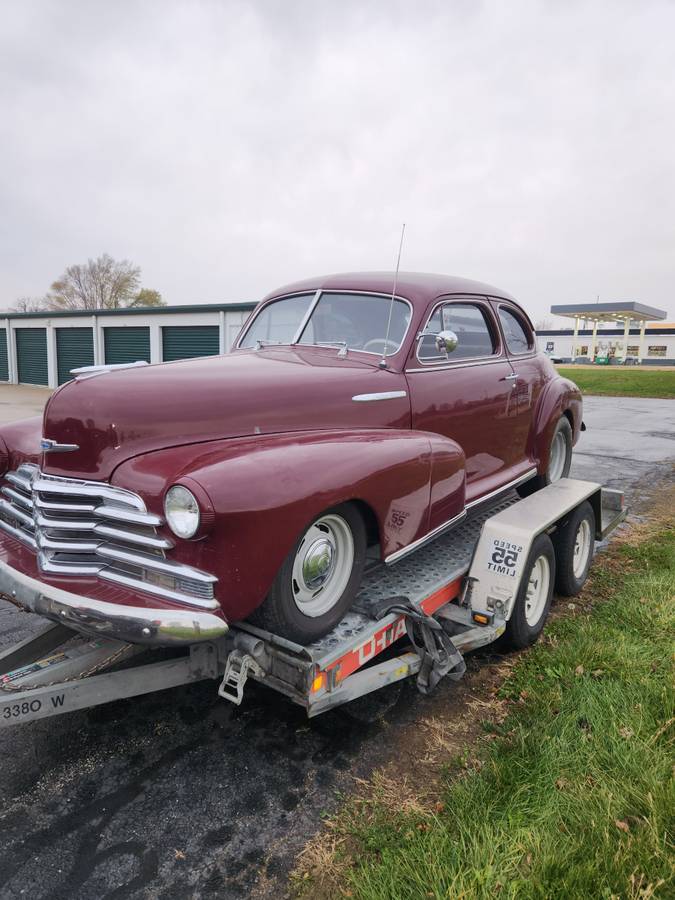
x: 265, y: 490
x: 559, y: 397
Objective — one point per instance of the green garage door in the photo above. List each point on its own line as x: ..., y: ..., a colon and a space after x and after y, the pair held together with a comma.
x: 186, y: 341
x: 125, y: 345
x: 74, y: 348
x: 31, y: 355
x: 4, y: 361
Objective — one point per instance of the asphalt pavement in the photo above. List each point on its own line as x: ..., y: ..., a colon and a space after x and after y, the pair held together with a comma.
x: 181, y: 795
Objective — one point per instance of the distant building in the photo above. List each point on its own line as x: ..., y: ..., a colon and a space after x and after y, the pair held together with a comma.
x: 41, y: 348
x: 619, y: 333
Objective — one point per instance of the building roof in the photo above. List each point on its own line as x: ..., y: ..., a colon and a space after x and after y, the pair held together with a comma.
x: 610, y: 312
x: 246, y: 306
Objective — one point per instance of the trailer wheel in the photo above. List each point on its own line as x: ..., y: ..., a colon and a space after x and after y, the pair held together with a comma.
x: 533, y: 600
x: 574, y: 543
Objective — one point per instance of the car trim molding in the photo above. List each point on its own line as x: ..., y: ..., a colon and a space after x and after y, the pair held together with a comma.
x: 429, y: 536
x: 379, y: 395
x: 500, y: 490
x: 461, y: 364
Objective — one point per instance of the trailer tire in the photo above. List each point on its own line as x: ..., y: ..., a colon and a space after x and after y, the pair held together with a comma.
x: 574, y: 544
x: 534, y: 596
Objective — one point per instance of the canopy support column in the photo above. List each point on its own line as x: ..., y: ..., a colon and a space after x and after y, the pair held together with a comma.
x: 626, y: 333
x: 574, y: 339
x: 643, y: 325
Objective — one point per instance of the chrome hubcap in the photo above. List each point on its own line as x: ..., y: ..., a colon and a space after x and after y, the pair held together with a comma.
x: 318, y: 563
x: 582, y: 548
x: 556, y: 463
x: 537, y: 590
x: 323, y: 565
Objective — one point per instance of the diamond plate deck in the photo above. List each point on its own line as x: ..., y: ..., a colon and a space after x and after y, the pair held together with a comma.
x: 417, y: 576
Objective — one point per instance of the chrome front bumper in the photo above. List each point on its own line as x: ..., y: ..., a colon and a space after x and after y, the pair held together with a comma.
x: 135, y: 625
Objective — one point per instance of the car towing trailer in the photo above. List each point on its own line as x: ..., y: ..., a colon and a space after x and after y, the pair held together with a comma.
x: 456, y: 593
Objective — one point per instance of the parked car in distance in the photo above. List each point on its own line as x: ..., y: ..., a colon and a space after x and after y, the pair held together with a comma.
x: 158, y: 503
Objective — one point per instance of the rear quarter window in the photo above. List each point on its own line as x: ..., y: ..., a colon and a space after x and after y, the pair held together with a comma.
x: 517, y: 333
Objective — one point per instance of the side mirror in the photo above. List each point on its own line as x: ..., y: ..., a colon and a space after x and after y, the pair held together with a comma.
x: 446, y: 342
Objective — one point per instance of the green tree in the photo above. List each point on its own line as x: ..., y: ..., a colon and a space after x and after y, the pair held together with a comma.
x: 147, y: 297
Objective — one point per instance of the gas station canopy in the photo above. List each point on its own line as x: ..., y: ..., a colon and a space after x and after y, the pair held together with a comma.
x: 610, y: 312
x: 622, y: 312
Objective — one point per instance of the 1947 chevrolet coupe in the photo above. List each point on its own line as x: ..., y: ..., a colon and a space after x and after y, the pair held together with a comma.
x: 158, y: 503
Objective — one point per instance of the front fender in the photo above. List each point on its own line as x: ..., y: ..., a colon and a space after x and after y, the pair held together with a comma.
x: 22, y: 440
x: 265, y: 490
x: 559, y: 397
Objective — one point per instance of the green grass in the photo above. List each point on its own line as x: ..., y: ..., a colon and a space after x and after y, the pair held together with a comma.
x: 575, y: 795
x: 615, y: 381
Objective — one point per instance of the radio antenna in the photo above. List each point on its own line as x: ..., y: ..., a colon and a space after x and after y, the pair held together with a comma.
x: 383, y: 361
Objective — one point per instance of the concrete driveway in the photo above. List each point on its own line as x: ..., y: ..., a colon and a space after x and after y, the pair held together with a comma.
x: 181, y: 795
x: 21, y: 401
x: 629, y: 443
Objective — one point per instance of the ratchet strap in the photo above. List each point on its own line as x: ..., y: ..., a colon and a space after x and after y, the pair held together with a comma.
x: 439, y: 656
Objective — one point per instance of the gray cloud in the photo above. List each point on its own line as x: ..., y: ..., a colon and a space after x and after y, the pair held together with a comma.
x: 227, y: 147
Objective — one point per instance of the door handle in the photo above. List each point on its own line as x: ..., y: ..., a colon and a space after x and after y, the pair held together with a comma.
x: 513, y: 377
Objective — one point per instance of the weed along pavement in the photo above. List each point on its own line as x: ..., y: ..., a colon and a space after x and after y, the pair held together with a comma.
x: 180, y: 794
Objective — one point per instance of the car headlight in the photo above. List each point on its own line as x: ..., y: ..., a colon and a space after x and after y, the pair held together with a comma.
x: 182, y: 511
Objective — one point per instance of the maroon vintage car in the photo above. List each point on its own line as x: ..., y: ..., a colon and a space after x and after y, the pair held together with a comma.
x: 158, y: 503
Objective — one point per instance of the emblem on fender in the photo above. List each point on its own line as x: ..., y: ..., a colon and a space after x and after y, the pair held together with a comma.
x: 47, y: 445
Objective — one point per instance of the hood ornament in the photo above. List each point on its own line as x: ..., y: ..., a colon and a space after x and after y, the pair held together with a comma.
x: 47, y: 445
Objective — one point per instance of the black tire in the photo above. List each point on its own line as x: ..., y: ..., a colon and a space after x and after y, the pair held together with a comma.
x: 565, y: 538
x: 279, y: 612
x: 519, y: 632
x: 539, y: 481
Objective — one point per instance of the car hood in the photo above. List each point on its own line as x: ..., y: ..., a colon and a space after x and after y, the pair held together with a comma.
x: 115, y: 415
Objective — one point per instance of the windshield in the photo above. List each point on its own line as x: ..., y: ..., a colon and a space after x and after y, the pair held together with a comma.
x: 357, y: 321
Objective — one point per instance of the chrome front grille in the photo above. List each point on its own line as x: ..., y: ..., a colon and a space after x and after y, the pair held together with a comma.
x: 92, y: 528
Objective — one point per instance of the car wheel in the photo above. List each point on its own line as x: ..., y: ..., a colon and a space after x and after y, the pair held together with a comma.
x: 319, y: 578
x: 574, y: 543
x: 535, y: 593
x: 559, y: 459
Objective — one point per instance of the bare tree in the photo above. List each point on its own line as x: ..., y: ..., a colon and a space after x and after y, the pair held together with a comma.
x: 544, y: 325
x: 28, y: 305
x: 102, y: 283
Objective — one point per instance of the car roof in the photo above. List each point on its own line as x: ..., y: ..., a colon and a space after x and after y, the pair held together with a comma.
x: 418, y: 287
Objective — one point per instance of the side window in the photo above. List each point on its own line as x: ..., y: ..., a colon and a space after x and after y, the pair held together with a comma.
x: 517, y: 333
x: 469, y: 322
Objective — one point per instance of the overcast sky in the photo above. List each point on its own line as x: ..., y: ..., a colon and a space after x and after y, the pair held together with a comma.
x: 229, y: 147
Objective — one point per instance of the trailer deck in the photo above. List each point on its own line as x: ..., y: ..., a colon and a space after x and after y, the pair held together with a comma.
x: 444, y: 597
